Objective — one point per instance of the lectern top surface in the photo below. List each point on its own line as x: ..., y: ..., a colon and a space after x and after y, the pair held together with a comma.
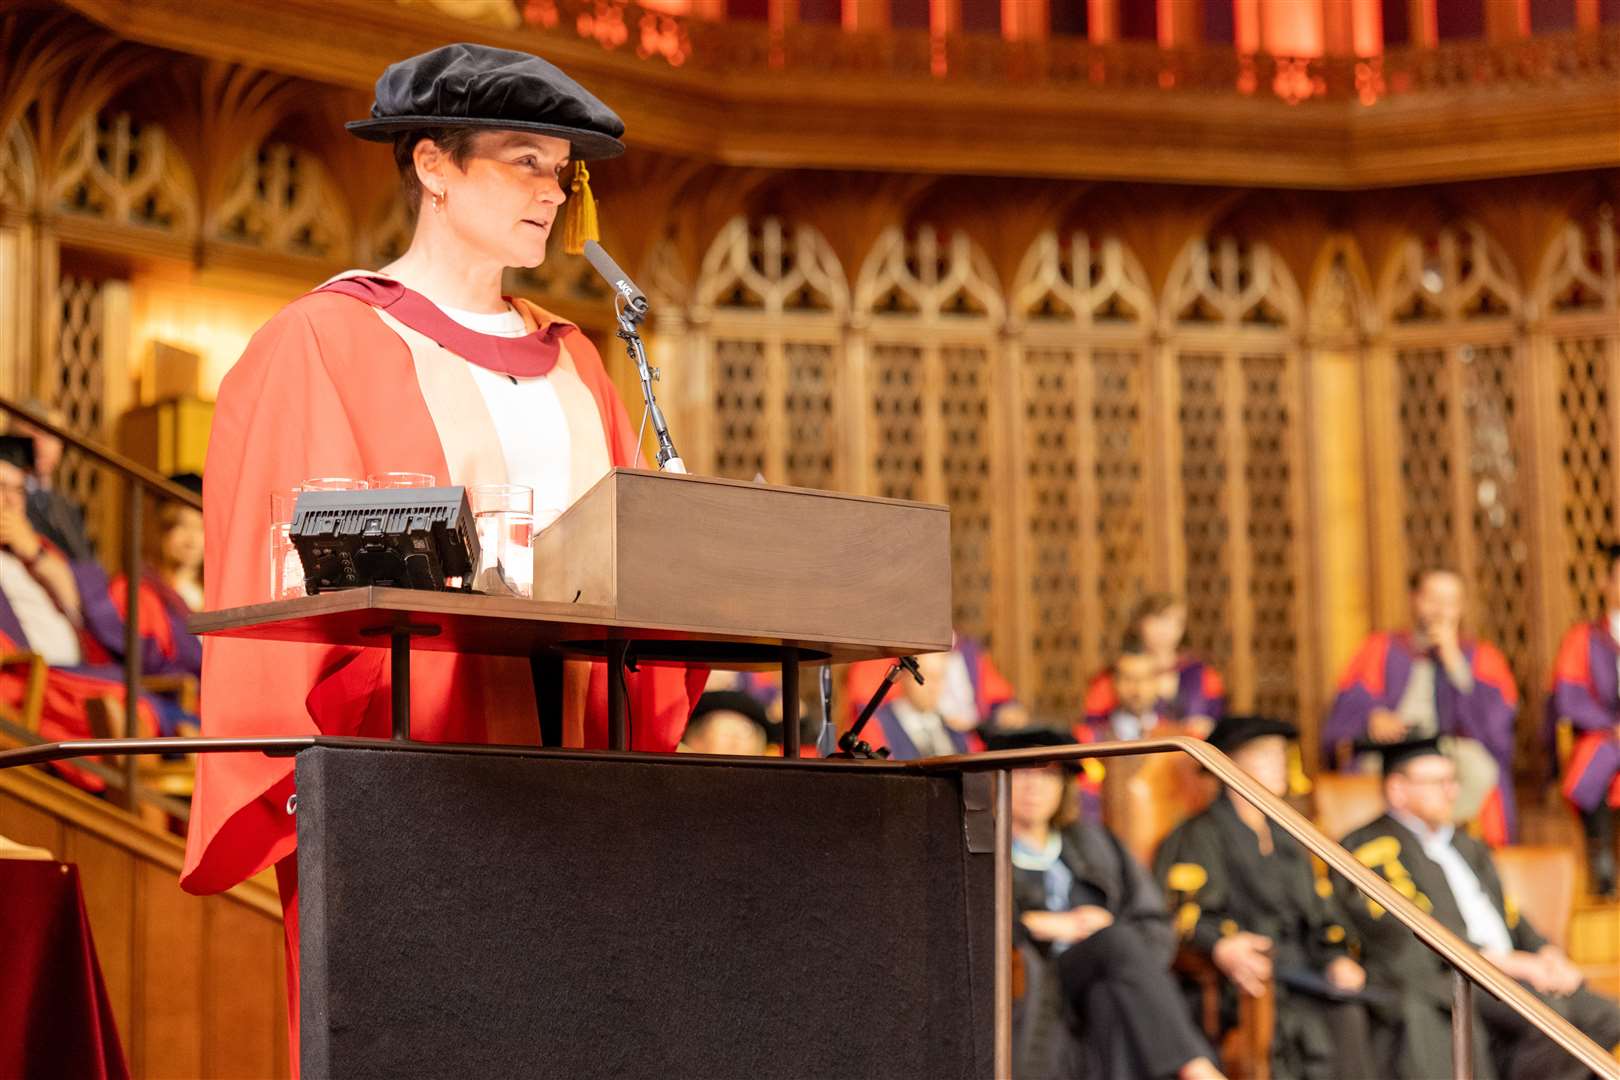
x: 510, y: 626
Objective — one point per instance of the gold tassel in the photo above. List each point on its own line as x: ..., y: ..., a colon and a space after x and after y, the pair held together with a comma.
x: 581, y: 223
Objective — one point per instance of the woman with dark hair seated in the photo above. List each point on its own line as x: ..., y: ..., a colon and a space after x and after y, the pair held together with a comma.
x: 1096, y: 943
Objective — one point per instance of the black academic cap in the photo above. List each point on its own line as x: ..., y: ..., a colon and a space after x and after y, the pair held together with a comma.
x: 730, y: 701
x: 17, y: 450
x: 467, y: 85
x: 1399, y: 753
x: 188, y: 480
x: 1232, y: 732
x: 1031, y: 739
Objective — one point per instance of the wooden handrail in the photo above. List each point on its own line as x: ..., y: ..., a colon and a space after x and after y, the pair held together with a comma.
x: 1463, y: 957
x: 128, y: 468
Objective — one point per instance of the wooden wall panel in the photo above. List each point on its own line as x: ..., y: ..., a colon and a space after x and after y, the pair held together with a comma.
x: 30, y: 825
x: 107, y: 874
x: 197, y: 983
x: 170, y: 997
x: 240, y: 940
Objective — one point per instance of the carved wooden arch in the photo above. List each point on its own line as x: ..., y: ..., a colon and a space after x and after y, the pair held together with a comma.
x: 1455, y: 273
x: 19, y: 167
x: 1082, y: 281
x: 114, y: 169
x: 1340, y: 307
x: 932, y: 279
x: 281, y: 198
x: 1226, y: 283
x: 1580, y: 272
x: 771, y: 268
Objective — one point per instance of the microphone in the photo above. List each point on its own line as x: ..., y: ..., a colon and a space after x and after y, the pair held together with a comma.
x: 617, y: 279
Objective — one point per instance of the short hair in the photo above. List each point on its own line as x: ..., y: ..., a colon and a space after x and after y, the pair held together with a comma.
x: 1132, y: 644
x: 1424, y: 573
x: 1150, y: 605
x: 456, y: 142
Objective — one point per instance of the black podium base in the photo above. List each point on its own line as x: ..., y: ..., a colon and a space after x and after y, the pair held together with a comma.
x: 491, y: 916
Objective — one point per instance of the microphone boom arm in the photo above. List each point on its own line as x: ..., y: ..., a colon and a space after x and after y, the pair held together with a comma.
x: 669, y: 460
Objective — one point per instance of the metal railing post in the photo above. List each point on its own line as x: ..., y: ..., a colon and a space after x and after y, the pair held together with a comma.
x: 1462, y: 1026
x: 1004, y: 921
x: 132, y: 632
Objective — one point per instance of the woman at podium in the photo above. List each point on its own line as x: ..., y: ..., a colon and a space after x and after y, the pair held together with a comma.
x: 425, y: 367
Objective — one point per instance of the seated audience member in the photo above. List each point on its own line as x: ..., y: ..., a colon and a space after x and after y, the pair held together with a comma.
x: 1132, y: 707
x: 1431, y: 680
x: 40, y: 612
x: 54, y: 515
x: 915, y: 720
x: 170, y: 590
x: 1586, y: 695
x: 1096, y: 942
x: 1449, y: 874
x: 726, y: 722
x: 975, y: 694
x: 1186, y: 689
x: 1245, y: 893
x: 1136, y: 710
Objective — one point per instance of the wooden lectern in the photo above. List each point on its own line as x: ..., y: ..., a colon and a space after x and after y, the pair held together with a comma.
x: 498, y: 911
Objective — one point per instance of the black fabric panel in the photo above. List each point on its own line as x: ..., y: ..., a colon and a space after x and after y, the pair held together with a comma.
x: 496, y: 916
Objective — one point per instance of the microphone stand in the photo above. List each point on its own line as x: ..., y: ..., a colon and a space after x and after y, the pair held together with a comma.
x: 630, y: 315
x: 851, y: 745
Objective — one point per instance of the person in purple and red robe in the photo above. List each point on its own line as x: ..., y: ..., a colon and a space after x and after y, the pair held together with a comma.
x: 1187, y: 690
x: 1432, y: 681
x: 170, y: 590
x: 1586, y: 696
x: 917, y: 719
x: 974, y: 694
x: 40, y: 614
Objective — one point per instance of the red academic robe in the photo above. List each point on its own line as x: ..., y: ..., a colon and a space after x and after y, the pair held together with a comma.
x: 1586, y: 695
x: 329, y: 388
x: 64, y: 712
x: 333, y: 386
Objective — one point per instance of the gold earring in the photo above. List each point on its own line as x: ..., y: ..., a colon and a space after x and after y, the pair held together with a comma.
x: 438, y: 200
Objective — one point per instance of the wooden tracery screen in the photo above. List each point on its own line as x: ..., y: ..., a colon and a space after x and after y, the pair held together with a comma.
x: 1233, y: 319
x: 1084, y: 315
x: 771, y: 307
x: 1464, y: 384
x: 1579, y: 301
x: 930, y: 313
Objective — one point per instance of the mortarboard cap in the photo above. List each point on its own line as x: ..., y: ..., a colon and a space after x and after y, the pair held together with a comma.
x: 1232, y: 732
x: 17, y: 450
x: 1397, y: 754
x: 188, y: 480
x: 1032, y: 739
x: 467, y: 85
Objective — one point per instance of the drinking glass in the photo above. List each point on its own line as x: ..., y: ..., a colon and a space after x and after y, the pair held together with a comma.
x: 286, y: 568
x: 506, y: 553
x: 492, y: 498
x: 332, y: 483
x: 390, y: 480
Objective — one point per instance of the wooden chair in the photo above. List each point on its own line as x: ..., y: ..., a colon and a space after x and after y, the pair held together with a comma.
x: 1246, y: 1049
x: 1143, y: 798
x: 26, y: 714
x: 1541, y: 880
x: 175, y: 778
x: 1346, y: 801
